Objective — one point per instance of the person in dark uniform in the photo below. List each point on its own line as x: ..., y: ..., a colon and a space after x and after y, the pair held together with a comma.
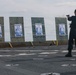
x: 72, y: 34
x: 75, y: 42
x: 74, y: 38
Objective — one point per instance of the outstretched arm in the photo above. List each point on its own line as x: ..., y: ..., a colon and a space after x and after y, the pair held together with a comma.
x: 69, y: 18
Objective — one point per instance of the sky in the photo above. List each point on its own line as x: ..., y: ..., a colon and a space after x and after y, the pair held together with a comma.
x: 38, y: 7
